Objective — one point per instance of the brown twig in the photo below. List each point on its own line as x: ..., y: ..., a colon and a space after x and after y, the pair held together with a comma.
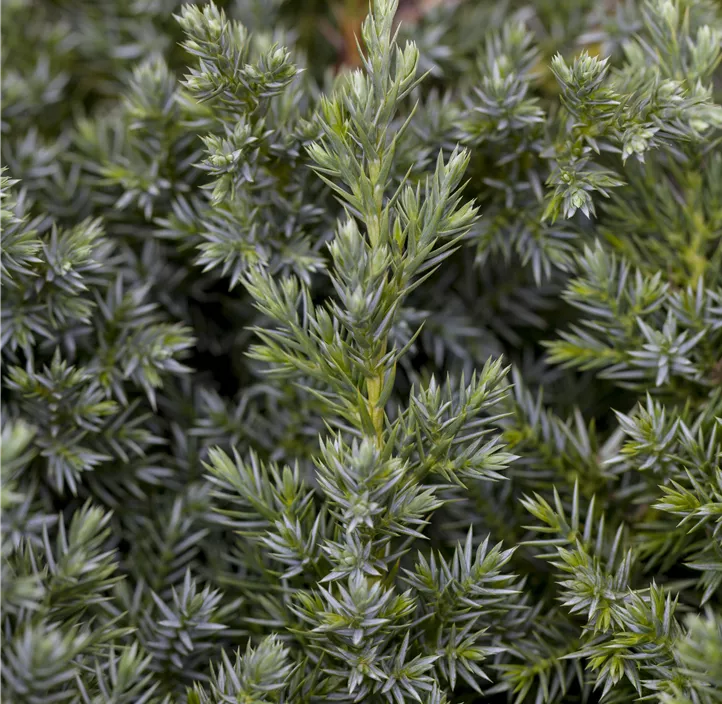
x: 349, y: 15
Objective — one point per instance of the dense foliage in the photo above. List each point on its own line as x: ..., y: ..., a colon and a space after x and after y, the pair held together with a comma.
x: 389, y: 374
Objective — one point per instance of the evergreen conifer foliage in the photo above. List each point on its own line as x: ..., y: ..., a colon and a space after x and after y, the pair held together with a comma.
x: 396, y: 383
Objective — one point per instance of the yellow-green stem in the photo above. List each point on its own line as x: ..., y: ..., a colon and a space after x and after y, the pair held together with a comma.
x: 374, y: 386
x: 373, y: 390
